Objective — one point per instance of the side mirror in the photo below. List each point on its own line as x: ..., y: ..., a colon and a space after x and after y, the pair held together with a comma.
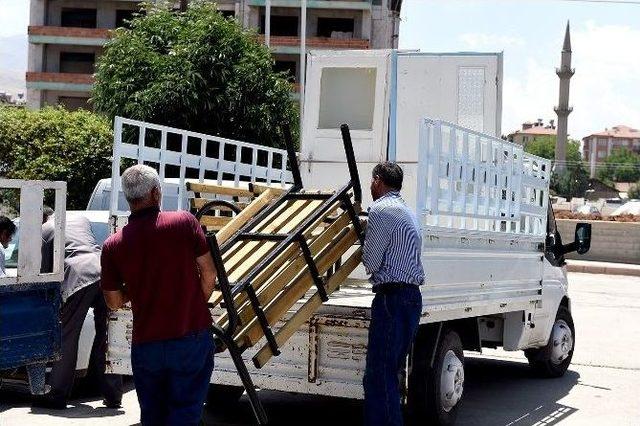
x: 583, y: 238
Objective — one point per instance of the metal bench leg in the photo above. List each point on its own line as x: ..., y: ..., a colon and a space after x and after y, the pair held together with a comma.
x: 241, y: 368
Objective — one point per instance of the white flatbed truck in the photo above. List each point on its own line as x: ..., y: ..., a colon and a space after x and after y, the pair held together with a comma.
x: 492, y: 257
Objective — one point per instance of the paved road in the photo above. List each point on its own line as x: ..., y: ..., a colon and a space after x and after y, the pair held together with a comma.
x: 601, y: 385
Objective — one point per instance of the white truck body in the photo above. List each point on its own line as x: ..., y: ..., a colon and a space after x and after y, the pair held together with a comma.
x: 482, y: 203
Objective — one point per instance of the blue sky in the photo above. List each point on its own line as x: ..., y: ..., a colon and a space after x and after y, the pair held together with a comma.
x: 605, y: 39
x: 605, y: 90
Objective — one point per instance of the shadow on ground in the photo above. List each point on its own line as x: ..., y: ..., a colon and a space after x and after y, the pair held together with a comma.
x: 17, y: 396
x: 497, y: 392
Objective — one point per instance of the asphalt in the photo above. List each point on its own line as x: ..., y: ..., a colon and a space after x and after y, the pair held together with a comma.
x: 599, y: 388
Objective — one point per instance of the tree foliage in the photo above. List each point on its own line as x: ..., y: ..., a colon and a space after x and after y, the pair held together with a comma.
x: 621, y: 166
x: 195, y: 70
x: 634, y: 191
x: 55, y: 144
x: 574, y: 181
x: 545, y: 147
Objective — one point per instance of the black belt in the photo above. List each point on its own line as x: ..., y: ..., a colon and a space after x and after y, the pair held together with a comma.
x: 390, y: 287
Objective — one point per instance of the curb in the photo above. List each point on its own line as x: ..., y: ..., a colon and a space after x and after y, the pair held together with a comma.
x: 609, y: 269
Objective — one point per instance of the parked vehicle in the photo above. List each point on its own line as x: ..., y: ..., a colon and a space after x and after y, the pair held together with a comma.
x: 493, y: 257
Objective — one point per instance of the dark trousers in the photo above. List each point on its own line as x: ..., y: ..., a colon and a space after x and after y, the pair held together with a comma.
x: 394, y: 321
x: 172, y: 378
x: 72, y: 316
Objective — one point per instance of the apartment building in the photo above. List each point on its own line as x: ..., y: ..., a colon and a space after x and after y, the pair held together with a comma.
x: 531, y: 131
x: 67, y: 36
x: 598, y: 146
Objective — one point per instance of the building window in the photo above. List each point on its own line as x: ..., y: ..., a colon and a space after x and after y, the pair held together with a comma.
x: 73, y: 103
x: 338, y: 89
x: 602, y: 154
x: 123, y: 17
x: 328, y: 26
x: 288, y: 67
x: 602, y: 142
x: 281, y: 25
x: 525, y: 140
x: 77, y: 63
x: 82, y: 18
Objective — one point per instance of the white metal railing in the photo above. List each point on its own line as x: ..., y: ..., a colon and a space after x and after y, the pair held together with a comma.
x: 30, y: 241
x: 231, y: 161
x: 472, y: 181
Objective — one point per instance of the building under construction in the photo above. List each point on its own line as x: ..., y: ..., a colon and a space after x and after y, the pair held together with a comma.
x: 67, y: 36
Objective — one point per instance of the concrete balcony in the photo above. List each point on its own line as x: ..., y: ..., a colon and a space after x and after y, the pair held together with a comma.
x: 59, y: 81
x: 317, y: 4
x: 68, y: 35
x: 291, y: 45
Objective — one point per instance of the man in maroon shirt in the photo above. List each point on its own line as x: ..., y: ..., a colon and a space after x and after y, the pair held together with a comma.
x: 160, y: 262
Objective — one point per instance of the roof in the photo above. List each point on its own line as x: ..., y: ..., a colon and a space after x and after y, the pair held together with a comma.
x: 536, y: 131
x: 619, y: 131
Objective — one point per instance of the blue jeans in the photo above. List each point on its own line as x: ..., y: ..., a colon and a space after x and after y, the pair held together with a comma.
x: 172, y: 378
x: 394, y: 322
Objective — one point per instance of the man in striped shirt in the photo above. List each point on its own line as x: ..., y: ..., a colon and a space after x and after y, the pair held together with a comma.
x: 391, y: 255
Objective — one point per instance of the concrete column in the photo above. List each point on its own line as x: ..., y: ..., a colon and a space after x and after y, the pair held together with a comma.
x: 34, y: 99
x: 37, y: 12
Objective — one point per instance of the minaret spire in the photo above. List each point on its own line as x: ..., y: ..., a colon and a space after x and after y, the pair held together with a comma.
x: 565, y: 72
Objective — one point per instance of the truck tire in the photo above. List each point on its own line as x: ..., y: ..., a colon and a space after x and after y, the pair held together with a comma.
x: 223, y: 396
x: 553, y: 359
x: 435, y: 392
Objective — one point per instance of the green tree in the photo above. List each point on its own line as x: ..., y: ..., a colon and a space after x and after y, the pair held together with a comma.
x: 634, y: 191
x: 195, y: 70
x: 621, y: 166
x: 56, y: 144
x: 545, y: 147
x: 574, y: 181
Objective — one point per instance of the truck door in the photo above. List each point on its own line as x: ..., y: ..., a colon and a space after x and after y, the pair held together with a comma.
x: 352, y: 88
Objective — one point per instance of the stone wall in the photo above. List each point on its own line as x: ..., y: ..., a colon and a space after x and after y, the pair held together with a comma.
x: 610, y: 241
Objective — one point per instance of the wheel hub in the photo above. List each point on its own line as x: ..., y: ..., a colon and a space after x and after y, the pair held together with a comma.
x: 451, y: 381
x: 562, y: 339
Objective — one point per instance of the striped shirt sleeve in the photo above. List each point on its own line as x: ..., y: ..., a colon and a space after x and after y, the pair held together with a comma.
x: 376, y: 242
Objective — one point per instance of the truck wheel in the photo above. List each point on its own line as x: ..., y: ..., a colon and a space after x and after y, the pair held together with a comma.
x: 222, y: 396
x: 435, y: 392
x: 554, y: 359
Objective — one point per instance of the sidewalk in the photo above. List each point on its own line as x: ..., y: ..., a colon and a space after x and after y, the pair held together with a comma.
x: 592, y: 267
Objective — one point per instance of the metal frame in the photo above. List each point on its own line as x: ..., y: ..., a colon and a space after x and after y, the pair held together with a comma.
x: 475, y: 182
x: 230, y: 290
x: 240, y: 170
x: 29, y: 249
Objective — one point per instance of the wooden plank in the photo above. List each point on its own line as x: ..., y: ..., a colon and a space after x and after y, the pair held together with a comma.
x: 219, y: 189
x: 259, y: 188
x: 277, y: 275
x: 215, y: 221
x: 256, y: 254
x: 252, y: 333
x: 252, y: 252
x: 277, y: 280
x: 307, y: 310
x: 245, y: 216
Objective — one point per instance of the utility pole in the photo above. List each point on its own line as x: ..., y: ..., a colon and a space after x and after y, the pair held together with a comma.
x: 565, y: 72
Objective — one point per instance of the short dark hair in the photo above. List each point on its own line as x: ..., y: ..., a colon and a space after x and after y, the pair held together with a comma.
x: 390, y: 173
x: 7, y: 225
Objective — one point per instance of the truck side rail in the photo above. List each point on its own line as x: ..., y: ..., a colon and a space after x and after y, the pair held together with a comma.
x: 30, y: 249
x: 191, y: 153
x: 475, y: 182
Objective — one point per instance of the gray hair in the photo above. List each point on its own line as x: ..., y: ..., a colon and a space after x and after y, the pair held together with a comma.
x: 138, y: 181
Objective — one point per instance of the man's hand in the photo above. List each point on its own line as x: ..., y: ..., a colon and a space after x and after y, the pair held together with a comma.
x: 115, y: 299
x: 208, y: 274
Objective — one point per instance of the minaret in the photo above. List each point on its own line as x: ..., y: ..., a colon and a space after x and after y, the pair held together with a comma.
x: 565, y: 72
